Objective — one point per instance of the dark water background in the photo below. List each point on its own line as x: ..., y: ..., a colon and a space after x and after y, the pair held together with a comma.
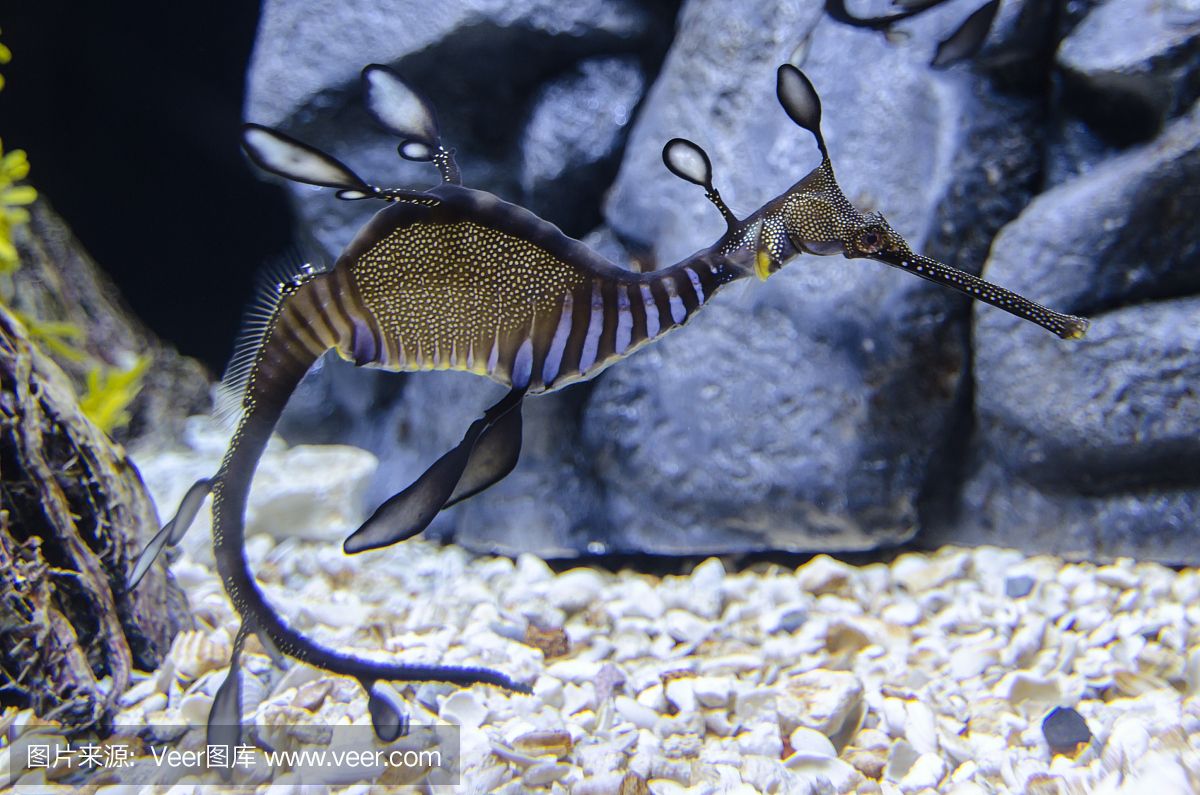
x: 130, y: 115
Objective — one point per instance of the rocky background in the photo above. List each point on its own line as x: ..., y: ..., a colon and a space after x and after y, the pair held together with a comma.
x: 841, y: 405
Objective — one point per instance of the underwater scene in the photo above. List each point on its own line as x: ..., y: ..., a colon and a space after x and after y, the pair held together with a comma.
x: 603, y: 397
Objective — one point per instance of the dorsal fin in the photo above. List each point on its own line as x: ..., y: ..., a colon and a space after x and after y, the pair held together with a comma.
x: 275, y: 277
x: 968, y: 38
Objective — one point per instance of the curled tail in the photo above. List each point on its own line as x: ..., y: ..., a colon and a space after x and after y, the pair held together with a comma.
x: 311, y: 315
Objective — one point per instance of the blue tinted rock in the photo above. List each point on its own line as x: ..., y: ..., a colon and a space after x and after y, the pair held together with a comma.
x: 1064, y: 730
x: 801, y: 414
x: 1089, y: 447
x: 1132, y: 64
x: 575, y: 134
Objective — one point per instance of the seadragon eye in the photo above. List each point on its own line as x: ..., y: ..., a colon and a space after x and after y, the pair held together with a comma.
x: 870, y: 241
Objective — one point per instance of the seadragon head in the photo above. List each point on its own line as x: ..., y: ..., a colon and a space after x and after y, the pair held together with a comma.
x: 815, y: 217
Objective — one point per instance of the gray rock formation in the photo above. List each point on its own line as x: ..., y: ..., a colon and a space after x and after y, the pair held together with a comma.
x: 830, y: 408
x: 1132, y: 64
x: 804, y: 413
x: 1092, y: 447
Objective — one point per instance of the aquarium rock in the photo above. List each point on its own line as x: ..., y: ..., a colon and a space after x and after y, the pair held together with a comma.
x: 835, y: 409
x: 1094, y: 451
x: 1130, y: 65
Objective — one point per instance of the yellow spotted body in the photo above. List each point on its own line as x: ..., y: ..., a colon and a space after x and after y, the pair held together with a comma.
x: 445, y: 294
x: 470, y: 282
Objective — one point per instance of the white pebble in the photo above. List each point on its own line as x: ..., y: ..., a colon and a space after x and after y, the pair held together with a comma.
x: 926, y: 772
x: 920, y: 728
x: 638, y: 714
x: 575, y: 670
x: 712, y: 691
x: 682, y: 695
x: 575, y: 589
x: 762, y: 738
x: 465, y: 709
x: 823, y: 574
x: 686, y: 627
x: 905, y: 613
x: 810, y: 741
x: 543, y: 774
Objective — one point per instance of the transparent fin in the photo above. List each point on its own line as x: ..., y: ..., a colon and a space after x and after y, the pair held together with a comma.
x: 800, y: 101
x: 493, y: 457
x: 688, y: 161
x: 389, y: 717
x: 173, y: 531
x: 291, y: 159
x: 225, y: 715
x: 411, y: 511
x: 398, y: 107
x: 189, y: 506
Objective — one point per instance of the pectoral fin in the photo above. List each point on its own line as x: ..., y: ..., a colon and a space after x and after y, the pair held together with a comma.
x: 173, y: 531
x: 388, y: 716
x: 411, y: 511
x: 494, y: 456
x: 225, y: 715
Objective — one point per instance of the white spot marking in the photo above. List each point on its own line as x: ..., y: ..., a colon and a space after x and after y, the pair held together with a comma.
x: 494, y: 355
x: 696, y: 286
x: 678, y: 312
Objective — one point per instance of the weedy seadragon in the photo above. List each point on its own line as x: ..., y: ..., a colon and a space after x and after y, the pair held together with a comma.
x: 456, y: 278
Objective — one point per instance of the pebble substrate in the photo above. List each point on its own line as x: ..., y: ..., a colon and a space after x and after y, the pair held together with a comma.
x: 933, y: 673
x: 924, y: 675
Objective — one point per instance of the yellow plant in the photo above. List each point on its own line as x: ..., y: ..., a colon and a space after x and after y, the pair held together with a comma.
x: 14, y: 166
x: 5, y: 57
x: 109, y: 391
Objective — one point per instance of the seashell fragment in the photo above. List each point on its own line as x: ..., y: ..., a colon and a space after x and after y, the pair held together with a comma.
x: 553, y: 641
x: 194, y: 653
x: 543, y: 742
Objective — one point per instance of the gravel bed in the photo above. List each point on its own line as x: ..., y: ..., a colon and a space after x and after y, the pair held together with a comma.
x: 961, y: 671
